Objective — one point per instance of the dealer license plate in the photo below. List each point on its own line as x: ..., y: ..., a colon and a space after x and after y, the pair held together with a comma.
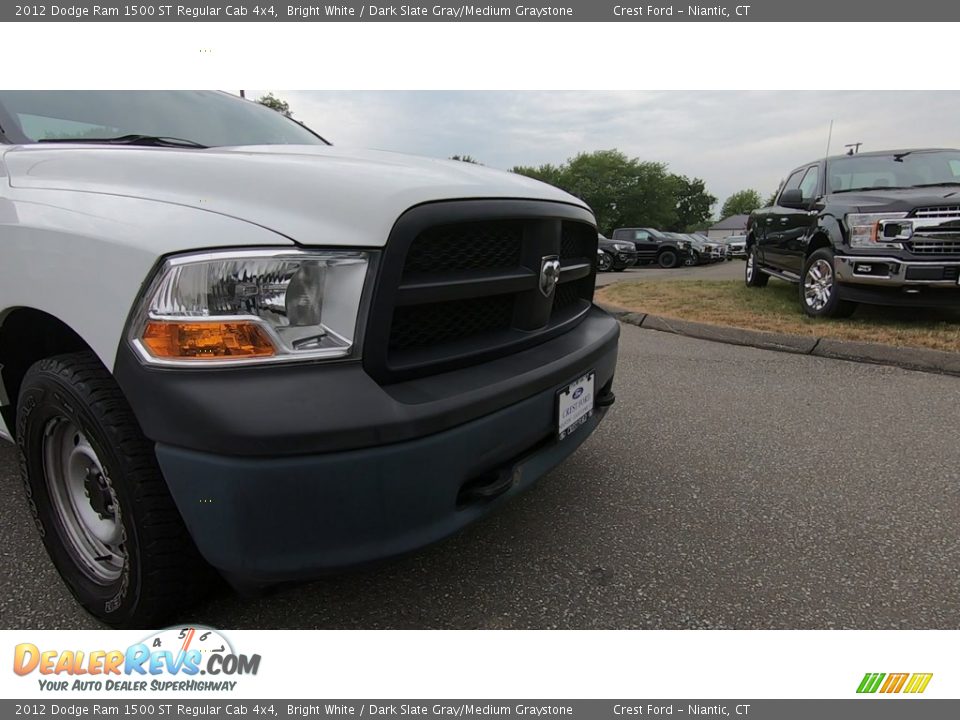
x: 576, y: 405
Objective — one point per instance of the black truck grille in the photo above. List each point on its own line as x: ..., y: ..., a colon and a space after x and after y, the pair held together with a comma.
x: 470, y: 246
x: 436, y: 323
x: 460, y: 283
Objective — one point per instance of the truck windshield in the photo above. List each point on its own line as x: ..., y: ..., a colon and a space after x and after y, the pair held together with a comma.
x: 200, y: 118
x: 897, y: 170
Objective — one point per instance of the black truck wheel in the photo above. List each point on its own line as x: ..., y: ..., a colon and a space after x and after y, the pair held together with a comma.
x: 752, y: 275
x: 604, y: 262
x: 98, y: 498
x: 818, y: 288
x: 668, y: 259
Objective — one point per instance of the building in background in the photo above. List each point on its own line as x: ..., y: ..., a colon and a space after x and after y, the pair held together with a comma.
x: 733, y: 225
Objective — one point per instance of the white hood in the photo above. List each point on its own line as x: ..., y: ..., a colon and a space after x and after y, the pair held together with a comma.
x: 312, y: 194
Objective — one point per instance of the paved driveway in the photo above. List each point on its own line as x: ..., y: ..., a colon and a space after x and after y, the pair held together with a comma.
x: 730, y: 487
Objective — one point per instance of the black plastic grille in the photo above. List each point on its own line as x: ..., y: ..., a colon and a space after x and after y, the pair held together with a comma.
x: 577, y: 241
x: 568, y: 295
x: 468, y: 246
x: 461, y: 283
x: 419, y: 326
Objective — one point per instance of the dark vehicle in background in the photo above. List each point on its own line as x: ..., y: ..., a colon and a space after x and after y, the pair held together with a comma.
x: 880, y: 228
x: 701, y: 252
x: 736, y: 246
x: 716, y: 248
x: 656, y: 246
x: 616, y: 255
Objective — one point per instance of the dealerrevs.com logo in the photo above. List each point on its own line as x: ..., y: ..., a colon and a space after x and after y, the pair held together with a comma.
x: 178, y: 659
x: 892, y: 683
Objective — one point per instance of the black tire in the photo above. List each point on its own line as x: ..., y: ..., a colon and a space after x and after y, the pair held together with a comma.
x: 668, y: 259
x: 818, y: 288
x: 752, y: 275
x: 158, y: 569
x: 604, y: 262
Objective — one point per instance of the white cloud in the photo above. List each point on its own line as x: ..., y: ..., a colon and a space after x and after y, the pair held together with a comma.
x: 733, y: 140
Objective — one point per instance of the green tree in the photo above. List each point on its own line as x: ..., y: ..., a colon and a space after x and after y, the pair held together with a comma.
x: 743, y: 202
x: 274, y: 103
x: 772, y: 199
x: 624, y: 191
x: 550, y: 174
x: 693, y: 203
x: 466, y: 159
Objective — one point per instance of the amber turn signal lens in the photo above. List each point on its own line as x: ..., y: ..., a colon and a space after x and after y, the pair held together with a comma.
x: 201, y: 340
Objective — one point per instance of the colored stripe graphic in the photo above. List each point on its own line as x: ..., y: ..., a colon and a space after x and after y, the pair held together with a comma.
x: 918, y: 682
x: 894, y: 683
x: 870, y: 682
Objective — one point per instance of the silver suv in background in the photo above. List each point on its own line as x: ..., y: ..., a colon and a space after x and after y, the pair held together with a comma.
x: 736, y: 246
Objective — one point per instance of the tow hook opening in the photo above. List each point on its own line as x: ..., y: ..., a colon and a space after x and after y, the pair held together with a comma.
x: 606, y: 397
x: 488, y: 486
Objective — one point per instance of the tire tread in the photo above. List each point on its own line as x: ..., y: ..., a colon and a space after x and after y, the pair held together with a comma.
x: 173, y: 574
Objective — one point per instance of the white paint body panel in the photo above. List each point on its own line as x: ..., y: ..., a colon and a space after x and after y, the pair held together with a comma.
x: 314, y: 194
x: 81, y: 226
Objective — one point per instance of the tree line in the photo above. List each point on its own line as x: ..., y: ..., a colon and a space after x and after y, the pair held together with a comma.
x: 629, y: 192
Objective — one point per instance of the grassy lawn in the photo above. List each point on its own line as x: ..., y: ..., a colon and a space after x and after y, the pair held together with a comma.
x: 775, y: 308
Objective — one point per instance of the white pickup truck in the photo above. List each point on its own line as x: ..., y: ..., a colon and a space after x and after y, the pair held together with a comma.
x: 226, y: 344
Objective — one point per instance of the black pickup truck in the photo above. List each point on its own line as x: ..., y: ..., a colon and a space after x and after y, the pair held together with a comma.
x: 656, y: 246
x: 879, y: 227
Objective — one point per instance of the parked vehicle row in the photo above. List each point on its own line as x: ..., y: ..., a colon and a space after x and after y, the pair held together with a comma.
x: 666, y: 249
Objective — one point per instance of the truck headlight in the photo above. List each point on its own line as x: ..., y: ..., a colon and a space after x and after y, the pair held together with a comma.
x: 240, y: 307
x: 864, y: 229
x: 623, y: 247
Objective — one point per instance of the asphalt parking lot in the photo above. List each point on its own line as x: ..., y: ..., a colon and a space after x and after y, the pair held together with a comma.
x: 728, y: 270
x: 730, y: 487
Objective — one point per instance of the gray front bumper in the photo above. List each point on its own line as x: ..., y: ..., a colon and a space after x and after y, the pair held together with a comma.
x: 894, y: 272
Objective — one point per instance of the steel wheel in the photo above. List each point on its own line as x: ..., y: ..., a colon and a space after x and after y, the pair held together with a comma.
x: 751, y: 268
x: 84, y: 502
x: 818, y: 285
x: 604, y: 263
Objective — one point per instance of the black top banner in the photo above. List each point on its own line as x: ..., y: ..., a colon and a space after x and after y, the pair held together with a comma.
x: 858, y: 11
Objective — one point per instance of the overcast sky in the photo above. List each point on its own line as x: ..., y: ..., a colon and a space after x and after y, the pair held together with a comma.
x: 733, y: 140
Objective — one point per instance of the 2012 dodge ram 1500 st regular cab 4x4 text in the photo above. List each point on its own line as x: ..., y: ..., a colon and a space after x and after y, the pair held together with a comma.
x: 226, y: 343
x: 879, y: 227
